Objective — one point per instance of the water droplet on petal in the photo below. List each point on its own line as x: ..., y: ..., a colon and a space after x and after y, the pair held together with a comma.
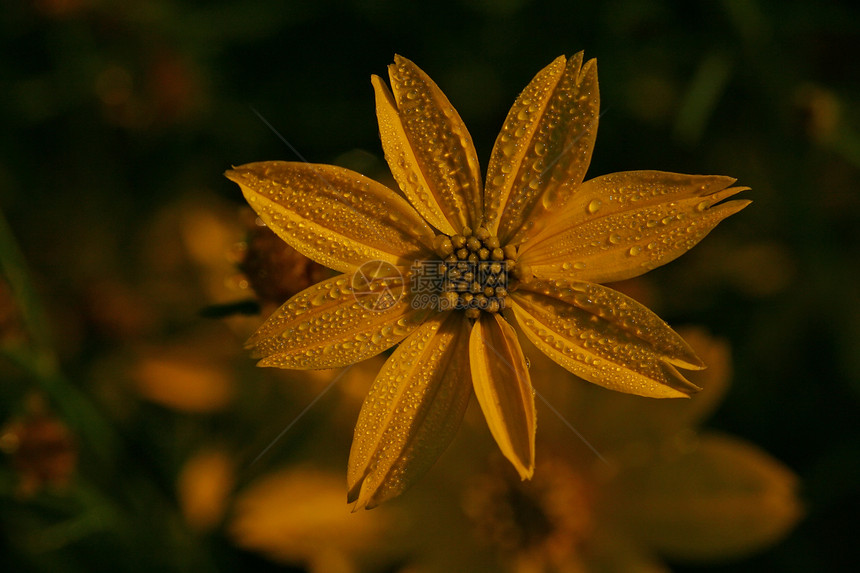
x: 594, y: 206
x: 549, y: 198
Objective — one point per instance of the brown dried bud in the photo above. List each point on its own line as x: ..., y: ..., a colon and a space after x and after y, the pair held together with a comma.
x: 275, y: 270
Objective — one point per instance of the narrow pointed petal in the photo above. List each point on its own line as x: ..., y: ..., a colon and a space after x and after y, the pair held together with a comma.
x: 412, y: 411
x: 544, y: 148
x: 339, y: 321
x: 606, y: 338
x: 622, y: 225
x: 655, y: 421
x: 504, y: 390
x: 428, y: 148
x: 335, y: 216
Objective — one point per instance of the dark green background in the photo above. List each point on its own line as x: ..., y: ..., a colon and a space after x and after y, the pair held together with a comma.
x: 763, y: 91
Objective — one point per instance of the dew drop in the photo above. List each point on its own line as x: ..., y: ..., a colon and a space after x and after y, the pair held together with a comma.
x: 614, y: 238
x: 549, y: 198
x: 319, y: 299
x: 540, y: 148
x: 594, y: 206
x: 634, y: 250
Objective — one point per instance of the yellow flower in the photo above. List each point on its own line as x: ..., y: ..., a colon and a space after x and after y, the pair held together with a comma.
x: 190, y: 374
x: 296, y: 516
x: 203, y: 487
x: 659, y: 487
x: 448, y: 269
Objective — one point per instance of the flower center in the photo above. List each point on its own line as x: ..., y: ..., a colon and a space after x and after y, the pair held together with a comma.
x: 545, y: 520
x: 475, y: 271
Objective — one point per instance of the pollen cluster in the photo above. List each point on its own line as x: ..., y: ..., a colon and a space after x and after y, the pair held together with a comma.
x: 475, y: 271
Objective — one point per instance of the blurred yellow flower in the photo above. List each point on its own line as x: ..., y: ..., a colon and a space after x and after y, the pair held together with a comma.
x: 204, y: 486
x: 189, y: 257
x: 659, y: 490
x: 448, y: 269
x: 295, y: 516
x: 191, y: 373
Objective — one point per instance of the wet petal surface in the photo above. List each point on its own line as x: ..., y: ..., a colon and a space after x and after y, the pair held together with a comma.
x: 543, y: 149
x: 605, y: 337
x: 428, y: 148
x: 412, y: 411
x: 622, y: 225
x: 338, y: 322
x: 504, y: 390
x: 332, y: 215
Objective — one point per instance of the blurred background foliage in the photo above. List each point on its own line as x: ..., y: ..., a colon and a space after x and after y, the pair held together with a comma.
x: 120, y: 117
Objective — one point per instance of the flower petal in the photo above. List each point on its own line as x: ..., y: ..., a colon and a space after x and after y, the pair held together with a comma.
x: 339, y: 321
x: 606, y: 338
x: 611, y: 550
x: 724, y: 498
x: 544, y: 148
x: 619, y: 226
x: 504, y: 390
x: 295, y: 515
x: 657, y: 421
x: 412, y: 411
x: 428, y: 148
x: 332, y: 215
x: 204, y: 487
